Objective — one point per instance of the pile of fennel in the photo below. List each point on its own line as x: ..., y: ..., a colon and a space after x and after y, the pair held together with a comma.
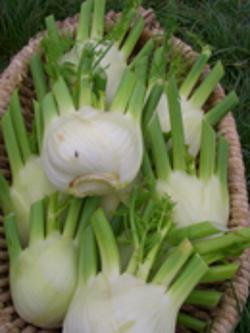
x: 117, y: 210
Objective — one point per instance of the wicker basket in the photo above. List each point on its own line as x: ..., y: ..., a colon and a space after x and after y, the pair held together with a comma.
x: 225, y: 317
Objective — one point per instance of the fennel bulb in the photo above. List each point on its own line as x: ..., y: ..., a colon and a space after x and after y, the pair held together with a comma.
x: 43, y: 281
x: 29, y: 182
x: 29, y: 186
x: 86, y: 162
x: 113, y: 62
x: 191, y: 106
x: 111, y: 51
x: 43, y: 275
x: 126, y: 304
x: 197, y: 198
x: 126, y: 301
x: 91, y: 151
x: 192, y: 122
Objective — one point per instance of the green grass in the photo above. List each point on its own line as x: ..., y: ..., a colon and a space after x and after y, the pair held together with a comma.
x: 223, y: 24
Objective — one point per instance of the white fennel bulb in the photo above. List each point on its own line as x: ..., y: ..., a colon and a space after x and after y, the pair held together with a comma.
x: 192, y: 122
x: 90, y: 151
x: 112, y: 62
x: 43, y: 275
x: 111, y: 52
x: 195, y: 200
x: 112, y: 302
x: 192, y: 100
x: 43, y: 280
x: 127, y: 303
x: 30, y: 185
x: 29, y: 182
x: 199, y: 193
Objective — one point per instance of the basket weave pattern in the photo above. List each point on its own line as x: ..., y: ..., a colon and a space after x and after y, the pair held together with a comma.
x: 17, y: 74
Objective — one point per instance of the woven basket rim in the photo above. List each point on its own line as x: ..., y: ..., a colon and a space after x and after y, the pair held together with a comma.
x: 227, y: 314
